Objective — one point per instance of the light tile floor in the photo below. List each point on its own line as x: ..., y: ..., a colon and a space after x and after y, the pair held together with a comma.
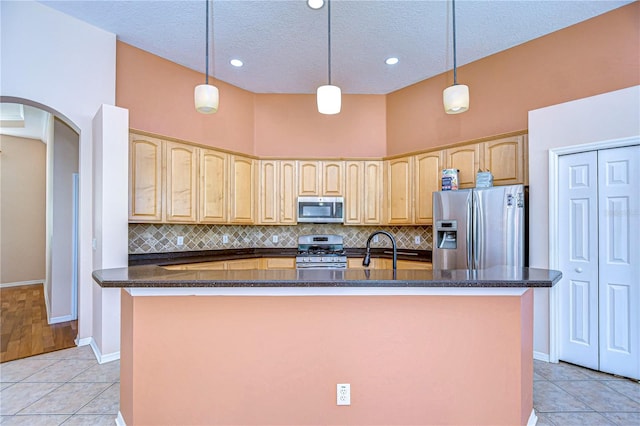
x: 66, y: 387
x: 564, y: 394
x: 69, y: 388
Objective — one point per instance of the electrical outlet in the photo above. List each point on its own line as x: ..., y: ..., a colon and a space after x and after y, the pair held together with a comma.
x: 274, y: 239
x: 180, y: 241
x: 375, y: 239
x: 416, y: 239
x: 343, y: 394
x: 225, y: 239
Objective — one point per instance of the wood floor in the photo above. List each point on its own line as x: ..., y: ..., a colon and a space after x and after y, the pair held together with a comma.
x: 23, y: 325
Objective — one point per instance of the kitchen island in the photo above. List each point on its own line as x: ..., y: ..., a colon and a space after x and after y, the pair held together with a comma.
x: 270, y: 346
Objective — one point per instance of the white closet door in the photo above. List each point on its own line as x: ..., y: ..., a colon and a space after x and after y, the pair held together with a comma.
x: 578, y: 250
x: 619, y: 265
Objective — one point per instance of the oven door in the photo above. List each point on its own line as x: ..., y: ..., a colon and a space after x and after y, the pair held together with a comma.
x: 320, y: 265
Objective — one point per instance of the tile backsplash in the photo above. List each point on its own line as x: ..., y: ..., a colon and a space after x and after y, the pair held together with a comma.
x: 162, y: 238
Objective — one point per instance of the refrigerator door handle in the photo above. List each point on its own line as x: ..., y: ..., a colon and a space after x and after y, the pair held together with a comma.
x: 470, y: 227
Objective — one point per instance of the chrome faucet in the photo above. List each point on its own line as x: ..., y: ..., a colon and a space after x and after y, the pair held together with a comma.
x: 367, y: 257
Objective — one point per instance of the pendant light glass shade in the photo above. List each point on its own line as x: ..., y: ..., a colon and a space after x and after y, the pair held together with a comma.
x: 329, y: 99
x: 456, y: 98
x: 207, y: 98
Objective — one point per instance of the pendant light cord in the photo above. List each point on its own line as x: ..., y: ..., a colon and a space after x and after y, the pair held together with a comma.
x: 455, y: 70
x: 206, y: 46
x: 329, y: 36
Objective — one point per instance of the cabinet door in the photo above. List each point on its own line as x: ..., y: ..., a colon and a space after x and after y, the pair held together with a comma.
x: 180, y: 191
x: 278, y: 263
x: 243, y: 264
x: 414, y: 264
x: 145, y: 179
x: 268, y: 197
x: 428, y: 172
x: 288, y: 193
x: 332, y: 183
x: 467, y: 160
x: 354, y: 192
x: 242, y: 171
x: 504, y: 158
x: 309, y: 178
x: 399, y: 177
x: 212, y: 203
x: 372, y: 202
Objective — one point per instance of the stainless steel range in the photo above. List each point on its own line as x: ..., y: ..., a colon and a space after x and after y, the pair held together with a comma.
x: 321, y: 251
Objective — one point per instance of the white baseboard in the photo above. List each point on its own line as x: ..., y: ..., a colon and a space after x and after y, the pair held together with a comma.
x: 120, y: 420
x: 57, y: 320
x: 540, y: 356
x: 533, y: 419
x: 19, y: 283
x: 84, y: 341
x: 103, y: 358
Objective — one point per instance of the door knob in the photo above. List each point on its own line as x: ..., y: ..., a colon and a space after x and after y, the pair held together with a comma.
x: 578, y: 270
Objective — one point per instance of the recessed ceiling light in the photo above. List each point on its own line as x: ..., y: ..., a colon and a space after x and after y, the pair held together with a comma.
x: 315, y: 4
x: 391, y: 61
x: 236, y: 63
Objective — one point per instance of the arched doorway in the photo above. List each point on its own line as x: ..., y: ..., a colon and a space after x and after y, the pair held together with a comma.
x: 38, y: 230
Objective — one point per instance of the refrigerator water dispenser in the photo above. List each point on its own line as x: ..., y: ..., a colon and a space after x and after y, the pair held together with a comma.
x: 447, y: 234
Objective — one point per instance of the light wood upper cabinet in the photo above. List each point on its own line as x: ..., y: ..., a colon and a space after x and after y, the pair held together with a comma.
x: 354, y: 192
x: 181, y: 167
x: 467, y: 160
x: 505, y: 159
x: 145, y: 179
x: 214, y: 186
x: 288, y: 192
x: 363, y: 186
x: 321, y: 178
x: 243, y: 186
x: 428, y: 178
x: 399, y: 191
x: 309, y: 178
x: 332, y: 179
x: 277, y: 192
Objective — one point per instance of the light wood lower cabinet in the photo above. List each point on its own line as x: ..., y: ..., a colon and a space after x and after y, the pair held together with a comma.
x: 386, y: 263
x: 413, y: 264
x: 243, y: 264
x: 278, y: 263
x: 237, y: 264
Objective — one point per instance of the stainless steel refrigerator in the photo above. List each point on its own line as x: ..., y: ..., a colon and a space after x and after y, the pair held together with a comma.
x: 479, y: 228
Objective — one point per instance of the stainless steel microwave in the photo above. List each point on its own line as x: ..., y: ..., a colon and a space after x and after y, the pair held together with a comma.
x: 321, y: 209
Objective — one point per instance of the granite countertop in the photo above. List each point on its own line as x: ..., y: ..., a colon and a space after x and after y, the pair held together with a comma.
x: 157, y: 277
x: 176, y: 258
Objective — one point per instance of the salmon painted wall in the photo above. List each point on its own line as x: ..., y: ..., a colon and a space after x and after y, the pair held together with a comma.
x: 277, y: 360
x: 159, y: 96
x: 596, y: 56
x: 290, y: 126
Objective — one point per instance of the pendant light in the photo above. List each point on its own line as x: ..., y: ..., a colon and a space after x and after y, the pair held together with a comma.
x: 456, y: 97
x: 207, y: 96
x: 329, y: 96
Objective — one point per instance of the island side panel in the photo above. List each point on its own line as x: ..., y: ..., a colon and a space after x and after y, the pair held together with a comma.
x: 277, y: 360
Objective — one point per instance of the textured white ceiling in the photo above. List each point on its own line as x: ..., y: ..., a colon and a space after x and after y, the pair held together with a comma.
x: 283, y: 43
